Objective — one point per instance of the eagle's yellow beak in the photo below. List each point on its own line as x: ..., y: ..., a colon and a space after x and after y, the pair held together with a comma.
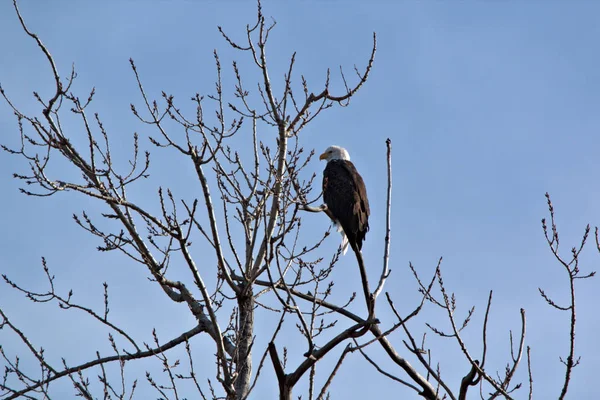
x: 323, y: 156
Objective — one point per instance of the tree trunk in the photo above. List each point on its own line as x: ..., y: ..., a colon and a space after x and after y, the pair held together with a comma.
x: 285, y: 392
x: 245, y: 336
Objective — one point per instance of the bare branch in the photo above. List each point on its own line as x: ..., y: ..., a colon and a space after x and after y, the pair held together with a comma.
x: 138, y: 355
x: 572, y: 268
x: 386, y: 248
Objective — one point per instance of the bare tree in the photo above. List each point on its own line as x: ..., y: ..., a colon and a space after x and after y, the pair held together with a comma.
x: 250, y: 214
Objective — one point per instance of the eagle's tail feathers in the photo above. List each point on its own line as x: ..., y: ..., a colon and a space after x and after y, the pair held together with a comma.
x: 345, y: 243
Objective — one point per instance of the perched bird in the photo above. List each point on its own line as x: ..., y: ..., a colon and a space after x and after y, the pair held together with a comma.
x: 345, y: 194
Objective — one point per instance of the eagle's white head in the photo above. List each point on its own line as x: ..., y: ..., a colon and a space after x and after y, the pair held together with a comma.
x: 335, y: 153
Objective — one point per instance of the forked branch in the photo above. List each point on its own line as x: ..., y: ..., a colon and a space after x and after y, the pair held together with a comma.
x: 572, y: 267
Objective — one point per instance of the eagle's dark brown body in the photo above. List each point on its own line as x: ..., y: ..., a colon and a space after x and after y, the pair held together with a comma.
x: 345, y: 194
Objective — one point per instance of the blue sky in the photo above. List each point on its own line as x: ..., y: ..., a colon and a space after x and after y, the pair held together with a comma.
x: 489, y: 105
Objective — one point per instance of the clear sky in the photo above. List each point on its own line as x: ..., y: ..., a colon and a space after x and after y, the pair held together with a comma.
x: 489, y: 105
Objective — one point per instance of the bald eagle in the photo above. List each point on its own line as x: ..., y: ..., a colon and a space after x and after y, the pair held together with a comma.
x: 345, y: 194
